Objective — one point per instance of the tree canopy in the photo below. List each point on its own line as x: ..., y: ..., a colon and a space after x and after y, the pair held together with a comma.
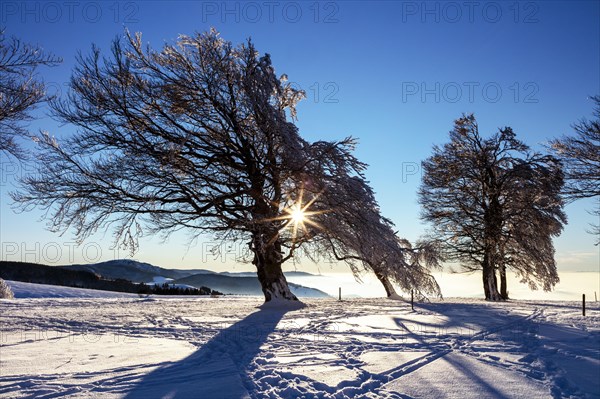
x: 580, y: 154
x: 21, y: 90
x: 494, y: 205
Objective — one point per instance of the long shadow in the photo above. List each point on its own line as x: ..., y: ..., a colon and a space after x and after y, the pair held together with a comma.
x: 455, y: 314
x: 441, y: 354
x: 218, y: 368
x: 567, y: 353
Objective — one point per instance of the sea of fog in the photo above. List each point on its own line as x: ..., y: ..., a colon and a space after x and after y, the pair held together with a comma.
x: 572, y: 285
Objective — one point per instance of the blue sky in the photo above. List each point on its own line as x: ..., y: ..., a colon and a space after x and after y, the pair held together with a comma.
x: 393, y: 74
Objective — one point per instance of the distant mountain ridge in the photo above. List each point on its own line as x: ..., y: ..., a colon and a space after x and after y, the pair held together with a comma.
x: 238, y: 283
x: 243, y: 285
x: 88, y: 278
x: 132, y: 270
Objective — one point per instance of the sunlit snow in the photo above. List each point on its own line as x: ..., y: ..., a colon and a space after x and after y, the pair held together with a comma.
x: 181, y: 347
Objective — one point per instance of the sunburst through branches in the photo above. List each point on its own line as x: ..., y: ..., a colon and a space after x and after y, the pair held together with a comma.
x: 298, y: 217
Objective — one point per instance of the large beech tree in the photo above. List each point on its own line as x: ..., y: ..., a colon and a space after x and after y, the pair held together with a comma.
x: 200, y: 136
x: 194, y: 136
x: 494, y: 205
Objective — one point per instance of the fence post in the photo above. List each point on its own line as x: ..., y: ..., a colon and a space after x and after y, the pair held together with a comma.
x: 583, y: 302
x: 340, y: 294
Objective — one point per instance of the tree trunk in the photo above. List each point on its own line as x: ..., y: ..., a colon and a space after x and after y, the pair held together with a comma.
x: 490, y: 284
x: 267, y: 259
x: 503, y: 283
x: 492, y: 231
x: 387, y: 284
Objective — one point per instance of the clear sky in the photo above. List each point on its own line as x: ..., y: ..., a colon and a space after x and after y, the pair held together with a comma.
x: 393, y: 74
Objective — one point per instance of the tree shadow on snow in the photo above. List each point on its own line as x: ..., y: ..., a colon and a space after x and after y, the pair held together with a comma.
x: 460, y: 318
x: 218, y: 368
x: 463, y: 336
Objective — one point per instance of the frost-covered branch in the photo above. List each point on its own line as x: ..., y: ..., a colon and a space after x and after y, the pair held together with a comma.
x: 494, y: 205
x: 21, y: 90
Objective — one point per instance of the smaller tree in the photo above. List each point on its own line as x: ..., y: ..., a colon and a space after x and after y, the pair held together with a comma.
x: 20, y: 89
x: 5, y: 291
x: 494, y: 205
x: 580, y: 155
x: 342, y: 221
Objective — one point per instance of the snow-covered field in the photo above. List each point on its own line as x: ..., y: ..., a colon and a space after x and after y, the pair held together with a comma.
x: 29, y: 290
x: 130, y: 347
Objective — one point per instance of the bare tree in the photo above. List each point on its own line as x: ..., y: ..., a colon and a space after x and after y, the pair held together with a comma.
x: 20, y: 90
x: 580, y: 155
x: 195, y: 136
x: 343, y: 222
x: 494, y: 205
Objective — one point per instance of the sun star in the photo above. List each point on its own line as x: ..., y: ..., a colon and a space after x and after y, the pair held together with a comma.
x: 297, y: 215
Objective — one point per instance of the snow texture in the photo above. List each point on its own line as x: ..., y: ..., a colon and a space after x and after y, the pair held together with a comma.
x: 29, y: 290
x: 130, y: 347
